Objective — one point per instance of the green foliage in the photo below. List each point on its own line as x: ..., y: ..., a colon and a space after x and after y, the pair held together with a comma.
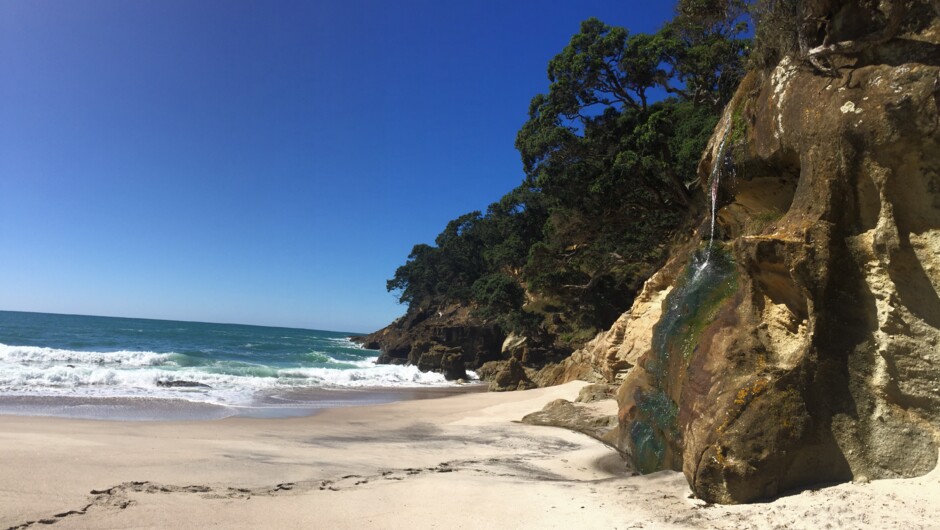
x: 709, y: 54
x: 500, y: 299
x: 606, y: 174
x: 444, y: 272
x: 776, y: 31
x: 471, y: 247
x: 693, y: 126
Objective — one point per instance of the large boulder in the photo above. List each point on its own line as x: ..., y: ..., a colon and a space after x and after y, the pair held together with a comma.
x: 448, y: 361
x: 506, y: 375
x: 597, y: 419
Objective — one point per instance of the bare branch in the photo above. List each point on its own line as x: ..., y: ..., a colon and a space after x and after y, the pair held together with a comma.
x: 891, y: 29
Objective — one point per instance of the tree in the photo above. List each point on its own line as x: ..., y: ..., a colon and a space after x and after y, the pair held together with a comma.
x: 608, y: 154
x: 415, y: 281
x: 612, y: 162
x: 706, y: 50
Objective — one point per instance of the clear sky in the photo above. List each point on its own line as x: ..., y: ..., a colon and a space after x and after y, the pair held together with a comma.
x: 259, y: 162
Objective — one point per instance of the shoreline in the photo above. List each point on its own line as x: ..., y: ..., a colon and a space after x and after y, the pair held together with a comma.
x: 462, y: 461
x: 286, y: 403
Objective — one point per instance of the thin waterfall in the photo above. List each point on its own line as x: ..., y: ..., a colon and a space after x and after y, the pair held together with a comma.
x: 716, y: 173
x: 715, y: 178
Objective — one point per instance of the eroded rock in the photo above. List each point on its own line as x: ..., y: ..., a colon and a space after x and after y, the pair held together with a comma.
x: 448, y: 340
x: 595, y: 419
x: 506, y: 375
x: 819, y: 362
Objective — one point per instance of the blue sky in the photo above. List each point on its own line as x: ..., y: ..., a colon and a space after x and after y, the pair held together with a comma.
x: 257, y: 162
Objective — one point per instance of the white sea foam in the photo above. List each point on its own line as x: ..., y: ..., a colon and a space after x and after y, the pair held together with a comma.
x: 345, y: 342
x: 37, y: 355
x: 27, y: 370
x: 375, y: 375
x: 363, y: 363
x: 95, y: 381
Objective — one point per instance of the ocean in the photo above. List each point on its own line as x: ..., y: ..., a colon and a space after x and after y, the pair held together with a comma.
x: 127, y: 368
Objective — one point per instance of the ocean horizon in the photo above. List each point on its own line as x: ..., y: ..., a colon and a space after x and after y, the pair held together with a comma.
x: 137, y: 368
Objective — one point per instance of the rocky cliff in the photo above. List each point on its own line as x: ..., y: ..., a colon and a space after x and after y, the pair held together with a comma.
x: 452, y: 340
x: 446, y: 339
x: 803, y: 344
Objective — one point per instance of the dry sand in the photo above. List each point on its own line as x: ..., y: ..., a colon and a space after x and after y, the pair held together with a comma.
x: 456, y: 462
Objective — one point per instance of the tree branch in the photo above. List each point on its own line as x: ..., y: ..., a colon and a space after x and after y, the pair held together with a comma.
x: 677, y: 91
x: 895, y: 18
x: 617, y: 88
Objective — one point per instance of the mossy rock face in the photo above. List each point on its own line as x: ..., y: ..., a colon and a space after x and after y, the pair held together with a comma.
x: 693, y: 304
x: 706, y: 284
x: 653, y: 431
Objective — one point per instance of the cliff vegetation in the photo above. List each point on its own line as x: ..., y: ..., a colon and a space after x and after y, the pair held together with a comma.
x: 610, y: 155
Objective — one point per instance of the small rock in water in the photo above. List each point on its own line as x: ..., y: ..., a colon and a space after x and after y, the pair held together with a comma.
x: 180, y: 383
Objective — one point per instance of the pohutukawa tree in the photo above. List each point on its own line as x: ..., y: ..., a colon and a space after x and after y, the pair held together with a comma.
x: 609, y: 153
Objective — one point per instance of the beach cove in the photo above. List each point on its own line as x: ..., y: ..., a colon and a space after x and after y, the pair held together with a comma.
x: 455, y: 462
x: 690, y: 277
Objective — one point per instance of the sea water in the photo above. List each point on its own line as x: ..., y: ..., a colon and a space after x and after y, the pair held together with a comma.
x: 67, y: 364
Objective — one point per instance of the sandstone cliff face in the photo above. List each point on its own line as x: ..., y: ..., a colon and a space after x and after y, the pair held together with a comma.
x: 805, y: 346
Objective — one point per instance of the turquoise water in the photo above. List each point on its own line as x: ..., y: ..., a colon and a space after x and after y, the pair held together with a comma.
x: 85, y: 357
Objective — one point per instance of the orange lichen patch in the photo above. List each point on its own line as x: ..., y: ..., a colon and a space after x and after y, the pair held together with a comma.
x: 744, y: 396
x: 761, y: 362
x: 747, y: 394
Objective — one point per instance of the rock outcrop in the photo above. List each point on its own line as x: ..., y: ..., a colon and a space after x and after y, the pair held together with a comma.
x: 593, y: 413
x: 505, y: 376
x: 804, y: 346
x: 448, y: 340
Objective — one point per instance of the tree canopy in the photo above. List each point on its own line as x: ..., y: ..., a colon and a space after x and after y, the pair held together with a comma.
x: 609, y: 153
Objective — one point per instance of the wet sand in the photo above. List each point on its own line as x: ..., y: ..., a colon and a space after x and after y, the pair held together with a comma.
x: 280, y: 404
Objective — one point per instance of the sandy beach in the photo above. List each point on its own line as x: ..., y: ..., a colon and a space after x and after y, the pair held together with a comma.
x: 456, y: 462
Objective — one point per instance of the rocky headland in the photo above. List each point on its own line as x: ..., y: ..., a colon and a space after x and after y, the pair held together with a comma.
x: 449, y: 340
